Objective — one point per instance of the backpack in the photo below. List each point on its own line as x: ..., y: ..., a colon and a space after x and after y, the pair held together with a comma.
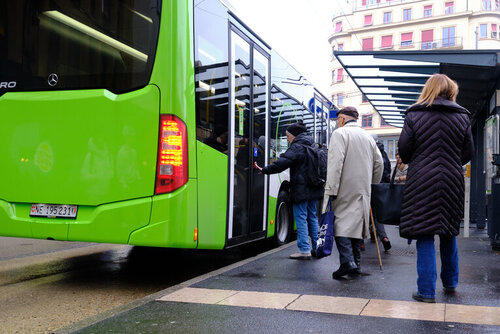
x: 316, y: 164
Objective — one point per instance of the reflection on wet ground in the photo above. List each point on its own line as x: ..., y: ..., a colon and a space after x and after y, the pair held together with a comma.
x: 42, y: 292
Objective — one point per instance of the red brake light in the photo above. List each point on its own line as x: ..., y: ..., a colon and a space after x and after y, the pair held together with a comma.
x: 172, y: 167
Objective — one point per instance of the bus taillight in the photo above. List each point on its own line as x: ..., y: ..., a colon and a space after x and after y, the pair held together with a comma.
x: 172, y: 168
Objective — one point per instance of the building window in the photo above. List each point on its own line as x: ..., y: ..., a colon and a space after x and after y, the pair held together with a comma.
x: 486, y: 4
x: 428, y: 11
x: 333, y: 76
x: 449, y: 8
x: 386, y: 42
x: 364, y: 99
x: 366, y: 121
x: 369, y: 2
x: 392, y: 145
x: 338, y: 26
x: 383, y: 122
x: 448, y: 36
x: 427, y: 38
x: 483, y: 31
x: 368, y: 44
x: 387, y: 17
x: 340, y: 75
x: 407, y: 39
x: 493, y: 31
x: 340, y: 99
x: 341, y: 47
x: 368, y: 20
x: 407, y: 14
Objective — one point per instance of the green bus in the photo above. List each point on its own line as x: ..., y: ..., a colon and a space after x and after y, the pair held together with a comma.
x: 138, y: 122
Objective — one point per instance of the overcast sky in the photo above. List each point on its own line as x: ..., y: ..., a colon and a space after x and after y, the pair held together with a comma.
x: 298, y: 30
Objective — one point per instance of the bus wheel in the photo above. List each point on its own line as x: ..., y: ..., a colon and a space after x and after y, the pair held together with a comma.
x: 283, y: 227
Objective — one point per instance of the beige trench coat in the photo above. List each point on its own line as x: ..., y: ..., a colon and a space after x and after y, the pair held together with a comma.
x: 354, y: 163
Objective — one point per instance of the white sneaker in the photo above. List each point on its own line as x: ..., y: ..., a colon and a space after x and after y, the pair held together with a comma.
x: 301, y: 256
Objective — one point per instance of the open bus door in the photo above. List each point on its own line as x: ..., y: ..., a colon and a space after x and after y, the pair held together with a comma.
x: 248, y: 139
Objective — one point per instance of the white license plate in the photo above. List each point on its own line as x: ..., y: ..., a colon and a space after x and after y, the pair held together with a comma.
x: 53, y: 210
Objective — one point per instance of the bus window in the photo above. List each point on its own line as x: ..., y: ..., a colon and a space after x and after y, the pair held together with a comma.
x: 211, y: 76
x: 78, y: 44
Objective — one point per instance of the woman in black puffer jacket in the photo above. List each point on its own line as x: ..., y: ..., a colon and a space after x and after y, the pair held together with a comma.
x: 436, y: 141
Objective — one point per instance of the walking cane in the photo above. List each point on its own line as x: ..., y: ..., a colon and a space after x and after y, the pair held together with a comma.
x: 376, y: 239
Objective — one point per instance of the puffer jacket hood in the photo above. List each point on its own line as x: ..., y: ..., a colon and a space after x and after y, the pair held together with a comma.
x: 439, y: 104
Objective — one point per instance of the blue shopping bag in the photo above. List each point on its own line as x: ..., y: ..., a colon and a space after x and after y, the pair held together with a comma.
x: 325, y: 232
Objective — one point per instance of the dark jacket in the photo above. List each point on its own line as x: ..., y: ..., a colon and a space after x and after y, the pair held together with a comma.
x: 294, y: 158
x: 435, y: 141
x: 386, y: 174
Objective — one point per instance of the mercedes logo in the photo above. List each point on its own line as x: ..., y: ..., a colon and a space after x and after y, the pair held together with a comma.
x: 53, y: 79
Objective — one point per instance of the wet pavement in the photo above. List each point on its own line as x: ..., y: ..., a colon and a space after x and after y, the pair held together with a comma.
x: 46, y: 285
x: 289, y: 295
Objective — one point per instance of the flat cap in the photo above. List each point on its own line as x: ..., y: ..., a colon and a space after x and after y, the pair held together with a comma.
x: 348, y: 111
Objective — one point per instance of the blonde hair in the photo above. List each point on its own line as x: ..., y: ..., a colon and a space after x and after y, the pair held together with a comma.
x: 438, y: 85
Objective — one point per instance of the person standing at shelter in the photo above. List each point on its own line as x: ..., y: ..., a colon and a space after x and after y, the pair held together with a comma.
x: 354, y: 163
x: 304, y: 196
x: 386, y: 178
x: 436, y: 141
x: 400, y: 171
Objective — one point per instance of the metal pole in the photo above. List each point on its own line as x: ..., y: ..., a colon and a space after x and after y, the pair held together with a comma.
x: 477, y: 38
x: 467, y: 201
x: 314, y: 115
x: 328, y: 128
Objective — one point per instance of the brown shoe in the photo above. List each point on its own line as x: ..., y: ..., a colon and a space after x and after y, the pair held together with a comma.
x: 301, y: 256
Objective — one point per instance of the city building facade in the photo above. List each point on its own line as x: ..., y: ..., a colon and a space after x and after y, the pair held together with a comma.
x: 406, y: 25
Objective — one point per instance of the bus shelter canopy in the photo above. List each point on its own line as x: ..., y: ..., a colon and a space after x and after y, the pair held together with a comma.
x: 393, y: 80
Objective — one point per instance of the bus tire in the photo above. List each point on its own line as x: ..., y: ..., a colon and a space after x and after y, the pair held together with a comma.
x: 284, y: 222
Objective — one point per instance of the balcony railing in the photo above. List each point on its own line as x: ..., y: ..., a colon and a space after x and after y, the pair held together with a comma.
x: 452, y: 42
x: 493, y: 6
x: 382, y: 3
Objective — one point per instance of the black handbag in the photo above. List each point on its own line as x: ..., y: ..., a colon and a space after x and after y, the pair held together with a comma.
x: 386, y: 201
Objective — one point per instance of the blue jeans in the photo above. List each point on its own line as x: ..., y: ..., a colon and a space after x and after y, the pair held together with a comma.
x: 307, y: 224
x: 426, y: 264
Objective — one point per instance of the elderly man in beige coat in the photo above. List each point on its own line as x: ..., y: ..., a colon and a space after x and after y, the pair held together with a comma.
x: 354, y: 163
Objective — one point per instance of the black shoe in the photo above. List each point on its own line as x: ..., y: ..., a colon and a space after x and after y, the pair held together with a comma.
x: 419, y: 298
x: 344, y: 269
x: 387, y: 244
x: 355, y: 272
x: 449, y: 291
x: 313, y: 253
